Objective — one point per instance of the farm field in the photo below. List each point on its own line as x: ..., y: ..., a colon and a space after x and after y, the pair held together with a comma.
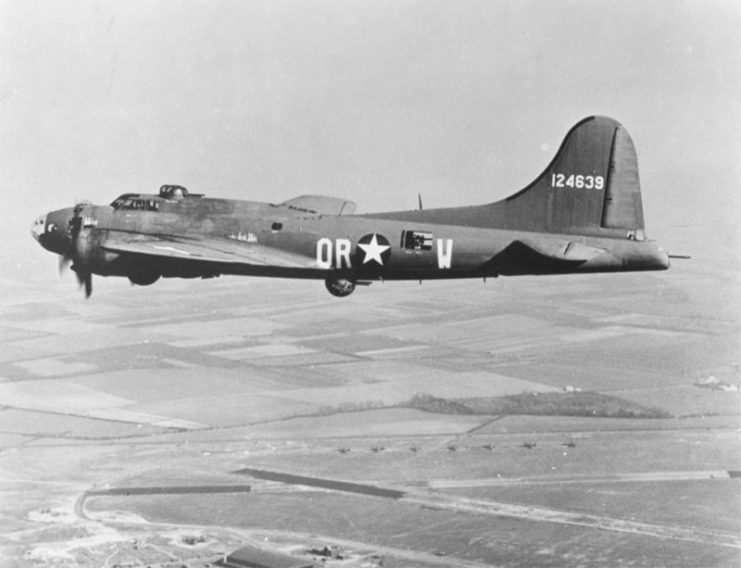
x: 135, y: 416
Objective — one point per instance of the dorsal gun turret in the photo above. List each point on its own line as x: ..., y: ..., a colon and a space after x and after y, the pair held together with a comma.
x: 175, y: 192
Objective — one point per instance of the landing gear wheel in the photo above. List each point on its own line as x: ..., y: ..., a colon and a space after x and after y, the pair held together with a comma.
x: 339, y: 287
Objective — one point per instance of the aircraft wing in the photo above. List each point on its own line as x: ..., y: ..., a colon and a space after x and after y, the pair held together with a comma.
x: 207, y: 250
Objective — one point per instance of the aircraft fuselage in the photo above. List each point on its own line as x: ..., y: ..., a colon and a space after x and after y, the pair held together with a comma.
x: 404, y: 249
x: 582, y: 214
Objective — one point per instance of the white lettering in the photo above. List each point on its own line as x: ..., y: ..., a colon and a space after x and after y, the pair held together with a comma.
x: 243, y: 237
x: 342, y: 250
x: 577, y: 181
x: 444, y: 253
x: 324, y: 253
x: 330, y: 254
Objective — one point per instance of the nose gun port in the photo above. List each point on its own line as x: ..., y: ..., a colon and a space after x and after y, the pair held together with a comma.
x: 38, y: 227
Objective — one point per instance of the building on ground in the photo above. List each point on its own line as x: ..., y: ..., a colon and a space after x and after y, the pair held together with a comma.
x: 253, y: 557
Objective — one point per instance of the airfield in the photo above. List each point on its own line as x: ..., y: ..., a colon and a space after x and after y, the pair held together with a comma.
x: 174, y: 424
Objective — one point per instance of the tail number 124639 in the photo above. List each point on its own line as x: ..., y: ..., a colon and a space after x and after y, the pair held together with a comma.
x: 577, y: 181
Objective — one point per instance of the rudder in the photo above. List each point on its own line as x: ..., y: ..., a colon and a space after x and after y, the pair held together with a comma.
x: 623, y: 208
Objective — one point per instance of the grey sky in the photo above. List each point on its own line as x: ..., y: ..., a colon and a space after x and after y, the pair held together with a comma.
x: 463, y: 101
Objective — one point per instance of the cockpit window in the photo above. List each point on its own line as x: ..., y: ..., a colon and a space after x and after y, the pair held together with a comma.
x: 134, y: 203
x: 118, y: 202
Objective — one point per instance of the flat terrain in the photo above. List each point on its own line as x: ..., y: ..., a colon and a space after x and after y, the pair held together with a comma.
x: 169, y: 425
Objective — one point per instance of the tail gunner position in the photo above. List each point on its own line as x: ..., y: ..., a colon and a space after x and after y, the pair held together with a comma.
x: 582, y: 214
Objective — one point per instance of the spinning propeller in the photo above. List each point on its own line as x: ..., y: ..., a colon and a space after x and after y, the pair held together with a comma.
x: 80, y: 252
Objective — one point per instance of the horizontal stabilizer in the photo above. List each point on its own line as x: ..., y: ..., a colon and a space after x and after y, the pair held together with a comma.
x: 540, y: 258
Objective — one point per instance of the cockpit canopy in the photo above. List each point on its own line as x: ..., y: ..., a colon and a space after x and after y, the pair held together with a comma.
x: 134, y: 201
x: 147, y: 202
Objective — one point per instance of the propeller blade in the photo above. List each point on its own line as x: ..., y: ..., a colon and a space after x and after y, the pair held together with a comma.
x: 85, y: 280
x: 64, y: 262
x: 88, y: 284
x: 79, y: 250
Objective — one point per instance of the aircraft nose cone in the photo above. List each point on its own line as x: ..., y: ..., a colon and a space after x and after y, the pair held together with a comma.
x: 50, y: 231
x: 38, y: 227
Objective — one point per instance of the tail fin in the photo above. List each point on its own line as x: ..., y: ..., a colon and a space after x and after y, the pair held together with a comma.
x: 591, y: 187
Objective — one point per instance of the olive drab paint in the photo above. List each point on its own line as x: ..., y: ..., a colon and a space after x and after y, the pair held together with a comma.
x: 582, y: 214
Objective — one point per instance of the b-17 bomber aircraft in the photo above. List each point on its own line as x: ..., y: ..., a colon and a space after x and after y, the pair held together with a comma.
x: 582, y: 214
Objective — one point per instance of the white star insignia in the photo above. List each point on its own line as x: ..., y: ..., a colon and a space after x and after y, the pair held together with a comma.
x: 373, y: 250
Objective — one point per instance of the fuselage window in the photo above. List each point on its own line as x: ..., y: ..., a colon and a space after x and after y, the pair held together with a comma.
x: 416, y: 240
x: 276, y: 226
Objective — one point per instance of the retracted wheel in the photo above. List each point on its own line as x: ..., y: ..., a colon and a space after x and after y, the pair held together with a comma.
x: 339, y: 287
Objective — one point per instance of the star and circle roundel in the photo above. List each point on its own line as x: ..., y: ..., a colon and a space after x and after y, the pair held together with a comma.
x: 373, y: 250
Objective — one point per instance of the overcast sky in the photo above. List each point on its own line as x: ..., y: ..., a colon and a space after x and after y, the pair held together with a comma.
x: 375, y: 101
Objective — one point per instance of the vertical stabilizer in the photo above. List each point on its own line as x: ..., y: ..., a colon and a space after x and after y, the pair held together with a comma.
x: 590, y: 187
